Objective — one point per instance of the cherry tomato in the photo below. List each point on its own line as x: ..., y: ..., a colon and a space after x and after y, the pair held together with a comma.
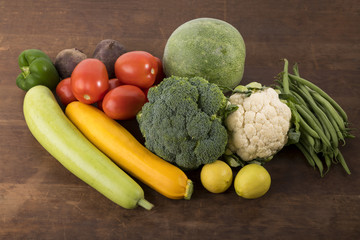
x: 64, y: 92
x: 89, y: 81
x: 123, y: 102
x: 137, y: 68
x: 113, y: 83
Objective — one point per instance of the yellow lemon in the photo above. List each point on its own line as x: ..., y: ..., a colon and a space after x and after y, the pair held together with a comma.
x: 216, y: 177
x: 252, y: 181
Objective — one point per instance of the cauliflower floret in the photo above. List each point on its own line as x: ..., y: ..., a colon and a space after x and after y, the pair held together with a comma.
x: 236, y: 119
x: 237, y: 99
x: 259, y: 127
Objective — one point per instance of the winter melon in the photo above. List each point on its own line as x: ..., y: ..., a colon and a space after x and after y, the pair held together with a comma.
x: 208, y: 48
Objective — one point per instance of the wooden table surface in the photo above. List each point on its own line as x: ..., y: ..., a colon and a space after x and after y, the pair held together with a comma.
x: 40, y: 199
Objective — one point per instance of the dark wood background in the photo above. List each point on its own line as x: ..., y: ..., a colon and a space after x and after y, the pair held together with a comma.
x: 39, y: 199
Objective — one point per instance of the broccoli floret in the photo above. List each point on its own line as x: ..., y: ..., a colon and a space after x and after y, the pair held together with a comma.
x: 183, y: 121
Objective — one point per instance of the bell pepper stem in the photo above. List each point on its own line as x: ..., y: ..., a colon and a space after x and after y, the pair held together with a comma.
x: 25, y: 71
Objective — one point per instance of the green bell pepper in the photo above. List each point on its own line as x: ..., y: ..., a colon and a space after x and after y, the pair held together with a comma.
x: 37, y: 69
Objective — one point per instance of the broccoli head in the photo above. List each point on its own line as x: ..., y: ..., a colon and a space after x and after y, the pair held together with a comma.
x: 183, y: 121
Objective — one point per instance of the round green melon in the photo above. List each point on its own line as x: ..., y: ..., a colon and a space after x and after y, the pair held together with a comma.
x: 208, y: 48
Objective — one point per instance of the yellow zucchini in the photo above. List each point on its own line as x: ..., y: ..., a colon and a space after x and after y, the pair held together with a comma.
x: 124, y: 149
x: 55, y: 132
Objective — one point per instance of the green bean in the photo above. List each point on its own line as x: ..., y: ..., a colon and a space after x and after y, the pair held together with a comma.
x: 311, y: 120
x: 307, y: 128
x: 296, y: 70
x: 299, y: 94
x: 339, y: 133
x: 330, y: 109
x: 318, y: 162
x: 303, y: 98
x: 285, y: 89
x: 324, y: 134
x: 313, y: 143
x: 314, y: 160
x: 285, y: 77
x: 328, y: 163
x: 322, y: 116
x: 305, y: 108
x: 318, y: 146
x: 306, y: 154
x: 308, y: 140
x: 322, y: 93
x: 331, y: 113
x: 335, y: 125
x: 312, y: 155
x: 298, y: 97
x: 322, y: 121
x: 341, y: 159
x: 307, y: 111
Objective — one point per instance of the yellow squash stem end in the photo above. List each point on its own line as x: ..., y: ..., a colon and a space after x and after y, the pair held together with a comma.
x: 145, y: 204
x: 189, y: 189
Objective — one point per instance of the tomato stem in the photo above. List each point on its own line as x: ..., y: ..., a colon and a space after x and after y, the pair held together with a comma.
x: 86, y: 97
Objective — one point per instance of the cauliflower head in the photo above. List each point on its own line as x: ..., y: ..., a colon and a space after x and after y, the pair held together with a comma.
x: 183, y: 121
x: 258, y: 128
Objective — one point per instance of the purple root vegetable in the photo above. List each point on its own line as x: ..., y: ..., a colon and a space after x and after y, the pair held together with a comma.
x: 108, y: 51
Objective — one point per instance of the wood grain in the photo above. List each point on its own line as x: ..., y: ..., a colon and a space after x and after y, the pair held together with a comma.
x: 39, y: 199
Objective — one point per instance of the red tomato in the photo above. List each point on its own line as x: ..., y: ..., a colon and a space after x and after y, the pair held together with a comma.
x: 63, y: 91
x: 160, y: 74
x: 123, y: 102
x: 137, y: 68
x: 146, y: 90
x: 89, y: 81
x: 113, y: 83
x: 159, y: 77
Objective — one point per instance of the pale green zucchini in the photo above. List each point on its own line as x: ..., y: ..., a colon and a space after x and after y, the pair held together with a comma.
x: 55, y: 132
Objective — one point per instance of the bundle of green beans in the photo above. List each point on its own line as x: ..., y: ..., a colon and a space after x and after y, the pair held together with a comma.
x: 321, y: 122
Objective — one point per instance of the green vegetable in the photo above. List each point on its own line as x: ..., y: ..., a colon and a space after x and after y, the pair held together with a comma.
x: 322, y: 122
x: 55, y: 132
x: 208, y: 48
x: 322, y: 93
x: 37, y: 69
x: 183, y: 121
